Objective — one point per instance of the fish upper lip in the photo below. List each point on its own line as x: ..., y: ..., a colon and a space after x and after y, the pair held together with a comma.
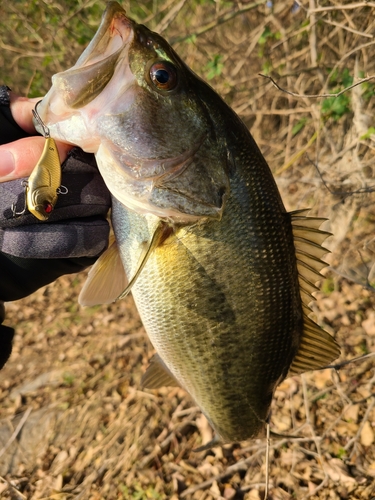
x: 114, y: 22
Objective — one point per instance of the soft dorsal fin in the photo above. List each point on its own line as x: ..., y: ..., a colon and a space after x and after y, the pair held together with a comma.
x: 158, y: 375
x: 106, y: 278
x: 317, y: 348
x: 150, y: 247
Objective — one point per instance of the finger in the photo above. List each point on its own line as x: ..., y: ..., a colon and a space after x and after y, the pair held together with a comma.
x: 18, y: 159
x: 21, y: 108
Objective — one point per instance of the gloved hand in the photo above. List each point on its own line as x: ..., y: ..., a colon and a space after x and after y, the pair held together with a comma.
x: 34, y: 253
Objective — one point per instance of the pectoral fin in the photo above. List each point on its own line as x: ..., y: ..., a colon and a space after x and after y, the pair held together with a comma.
x: 158, y: 375
x: 155, y: 240
x: 317, y: 348
x: 106, y: 278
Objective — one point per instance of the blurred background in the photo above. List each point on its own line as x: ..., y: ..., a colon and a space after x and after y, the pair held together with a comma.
x: 74, y: 423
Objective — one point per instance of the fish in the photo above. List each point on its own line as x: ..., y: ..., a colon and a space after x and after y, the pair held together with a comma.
x: 221, y: 274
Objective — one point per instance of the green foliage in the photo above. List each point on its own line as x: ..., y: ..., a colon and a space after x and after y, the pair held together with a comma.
x: 264, y: 42
x: 369, y: 133
x: 299, y: 125
x: 214, y: 67
x: 191, y: 39
x: 267, y: 67
x: 328, y: 286
x: 139, y: 493
x: 68, y: 379
x: 341, y: 453
x: 368, y: 91
x: 343, y: 78
x: 363, y: 348
x: 268, y: 35
x: 336, y: 107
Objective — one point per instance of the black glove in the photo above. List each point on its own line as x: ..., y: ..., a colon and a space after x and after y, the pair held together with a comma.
x: 34, y: 253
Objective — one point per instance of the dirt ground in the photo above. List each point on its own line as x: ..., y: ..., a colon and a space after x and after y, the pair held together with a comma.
x: 75, y: 423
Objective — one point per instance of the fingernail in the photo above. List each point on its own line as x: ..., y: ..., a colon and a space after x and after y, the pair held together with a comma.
x: 6, y: 163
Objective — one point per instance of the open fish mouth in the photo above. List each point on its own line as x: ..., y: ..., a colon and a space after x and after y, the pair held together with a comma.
x: 96, y: 65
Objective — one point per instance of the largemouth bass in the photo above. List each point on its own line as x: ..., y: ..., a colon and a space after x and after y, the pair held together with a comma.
x: 221, y: 274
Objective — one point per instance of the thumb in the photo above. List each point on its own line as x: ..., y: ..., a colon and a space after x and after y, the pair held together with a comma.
x: 18, y: 158
x: 21, y: 109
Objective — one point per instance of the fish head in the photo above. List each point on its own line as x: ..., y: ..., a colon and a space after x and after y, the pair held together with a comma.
x: 132, y: 101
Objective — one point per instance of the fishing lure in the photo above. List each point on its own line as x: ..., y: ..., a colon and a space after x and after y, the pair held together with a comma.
x: 44, y: 184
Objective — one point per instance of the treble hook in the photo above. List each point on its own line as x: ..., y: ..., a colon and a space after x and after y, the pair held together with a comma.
x: 14, y: 206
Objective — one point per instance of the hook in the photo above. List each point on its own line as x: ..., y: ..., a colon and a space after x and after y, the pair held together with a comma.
x: 13, y: 207
x: 45, y: 129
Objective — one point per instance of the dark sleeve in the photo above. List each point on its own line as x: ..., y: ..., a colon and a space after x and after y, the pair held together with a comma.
x: 9, y: 129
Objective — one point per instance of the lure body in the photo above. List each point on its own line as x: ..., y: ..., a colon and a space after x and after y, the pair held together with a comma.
x: 44, y: 182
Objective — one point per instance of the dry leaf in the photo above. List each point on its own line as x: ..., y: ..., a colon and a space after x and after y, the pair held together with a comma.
x: 252, y: 495
x: 351, y: 414
x: 369, y: 324
x: 367, y: 434
x: 338, y: 472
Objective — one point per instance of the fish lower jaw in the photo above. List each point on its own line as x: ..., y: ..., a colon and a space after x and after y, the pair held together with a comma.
x: 144, y: 207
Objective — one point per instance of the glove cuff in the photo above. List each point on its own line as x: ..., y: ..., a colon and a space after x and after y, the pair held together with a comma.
x: 4, y: 95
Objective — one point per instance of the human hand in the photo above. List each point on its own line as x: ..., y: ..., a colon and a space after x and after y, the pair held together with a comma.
x: 19, y: 157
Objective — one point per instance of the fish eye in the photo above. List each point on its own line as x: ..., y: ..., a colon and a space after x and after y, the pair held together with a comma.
x: 163, y: 75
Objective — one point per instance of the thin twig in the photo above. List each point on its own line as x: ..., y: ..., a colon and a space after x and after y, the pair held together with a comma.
x: 347, y: 28
x: 170, y: 17
x: 16, y: 490
x: 337, y: 366
x: 343, y: 194
x: 349, y: 6
x: 220, y: 20
x: 297, y: 155
x: 16, y: 431
x: 315, y: 96
x: 364, y: 420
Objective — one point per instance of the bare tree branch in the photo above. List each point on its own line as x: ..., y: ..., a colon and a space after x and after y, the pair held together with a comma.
x: 315, y: 96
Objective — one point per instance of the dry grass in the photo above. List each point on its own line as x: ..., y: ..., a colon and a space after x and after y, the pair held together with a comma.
x: 74, y: 423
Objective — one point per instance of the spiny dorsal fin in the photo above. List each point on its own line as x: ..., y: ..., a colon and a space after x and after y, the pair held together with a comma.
x: 155, y: 240
x: 317, y: 348
x: 106, y: 278
x: 158, y: 375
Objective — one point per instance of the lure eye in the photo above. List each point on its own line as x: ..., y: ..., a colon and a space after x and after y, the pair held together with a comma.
x: 48, y: 207
x: 163, y: 75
